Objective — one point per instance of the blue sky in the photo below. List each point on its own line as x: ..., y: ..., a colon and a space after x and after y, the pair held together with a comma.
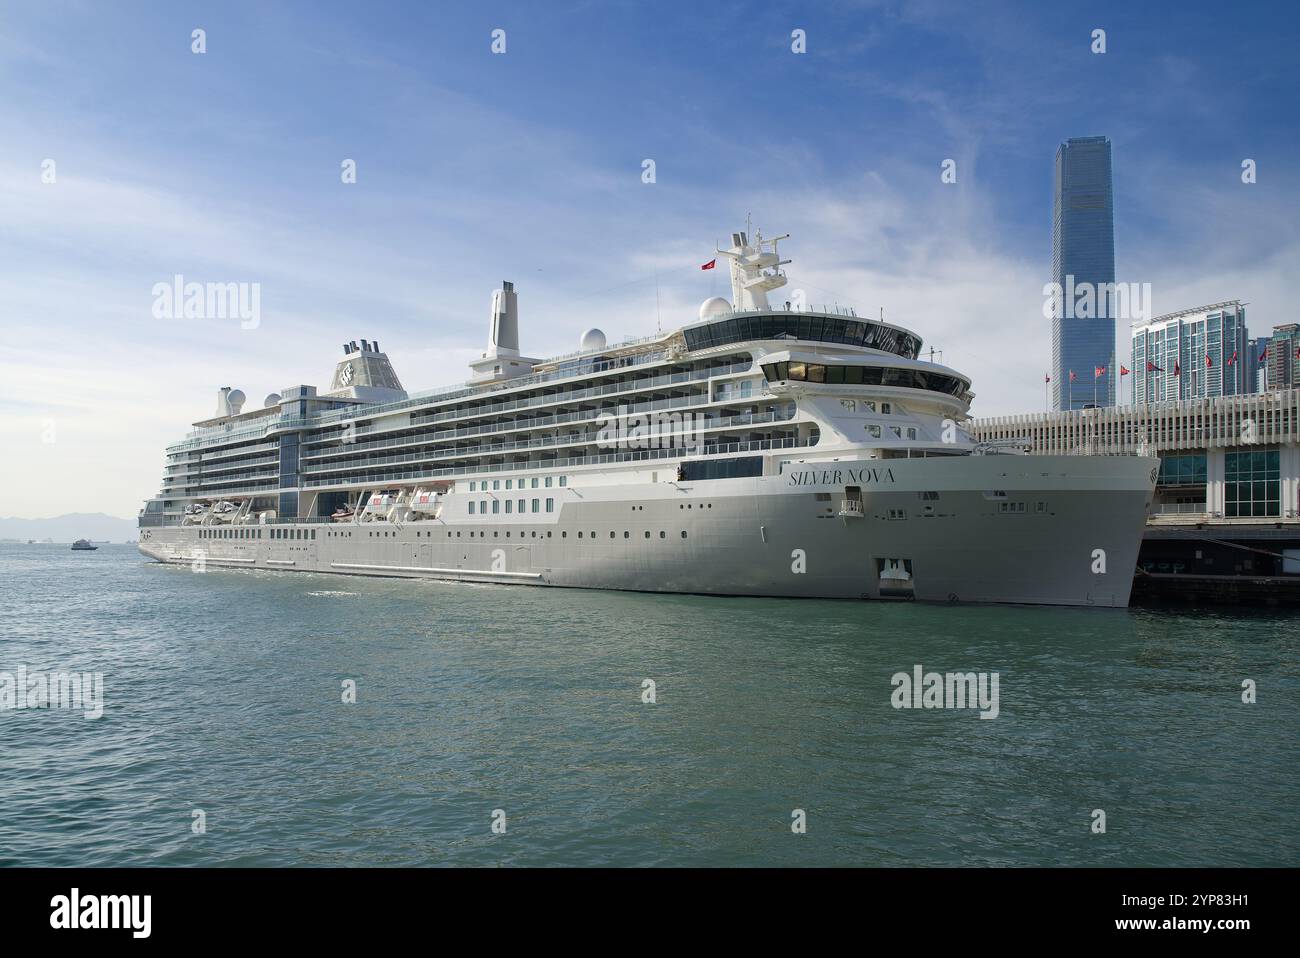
x: 474, y: 167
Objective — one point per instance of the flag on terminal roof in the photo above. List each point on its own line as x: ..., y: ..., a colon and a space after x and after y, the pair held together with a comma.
x: 1124, y: 370
x: 710, y: 264
x: 1153, y: 368
x: 1098, y: 372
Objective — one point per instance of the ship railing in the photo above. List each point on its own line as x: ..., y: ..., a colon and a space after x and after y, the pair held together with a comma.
x: 325, y: 420
x: 638, y: 455
x: 638, y: 385
x: 542, y: 443
x: 516, y: 425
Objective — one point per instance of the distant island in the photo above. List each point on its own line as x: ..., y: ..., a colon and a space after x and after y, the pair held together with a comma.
x: 95, y: 526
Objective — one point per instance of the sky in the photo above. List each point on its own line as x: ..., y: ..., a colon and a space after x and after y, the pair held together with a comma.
x: 127, y: 158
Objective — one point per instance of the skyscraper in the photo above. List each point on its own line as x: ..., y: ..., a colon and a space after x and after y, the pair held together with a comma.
x: 1083, y: 256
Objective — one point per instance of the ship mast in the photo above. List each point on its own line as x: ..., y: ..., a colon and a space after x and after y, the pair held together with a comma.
x: 755, y: 268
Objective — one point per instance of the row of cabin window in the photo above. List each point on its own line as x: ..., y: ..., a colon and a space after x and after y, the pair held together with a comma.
x: 482, y: 505
x: 256, y: 534
x: 547, y: 534
x: 481, y: 485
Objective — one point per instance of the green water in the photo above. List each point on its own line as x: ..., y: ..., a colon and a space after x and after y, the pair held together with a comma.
x: 223, y: 693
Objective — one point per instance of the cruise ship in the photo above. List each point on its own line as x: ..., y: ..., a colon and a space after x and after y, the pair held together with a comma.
x: 764, y: 449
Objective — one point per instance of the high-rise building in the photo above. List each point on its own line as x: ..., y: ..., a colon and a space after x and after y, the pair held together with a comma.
x: 1254, y: 349
x: 1083, y: 257
x: 1193, y: 354
x: 1279, y: 368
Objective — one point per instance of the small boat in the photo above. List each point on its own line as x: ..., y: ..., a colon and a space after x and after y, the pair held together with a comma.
x: 83, y: 545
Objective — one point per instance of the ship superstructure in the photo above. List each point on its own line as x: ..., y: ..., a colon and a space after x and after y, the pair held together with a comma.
x: 760, y: 450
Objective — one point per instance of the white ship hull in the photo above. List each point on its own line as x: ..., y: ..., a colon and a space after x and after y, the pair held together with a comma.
x: 1055, y: 530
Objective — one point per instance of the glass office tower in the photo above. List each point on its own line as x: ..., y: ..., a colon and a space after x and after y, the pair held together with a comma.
x: 1083, y: 251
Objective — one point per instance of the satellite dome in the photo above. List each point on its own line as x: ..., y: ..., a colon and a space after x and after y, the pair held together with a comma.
x: 714, y: 307
x: 593, y: 339
x: 236, y: 400
x: 272, y: 400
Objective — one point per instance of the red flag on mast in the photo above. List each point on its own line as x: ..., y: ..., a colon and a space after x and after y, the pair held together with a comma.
x: 1098, y: 372
x: 710, y: 264
x: 1178, y: 369
x: 1123, y: 371
x: 1209, y: 363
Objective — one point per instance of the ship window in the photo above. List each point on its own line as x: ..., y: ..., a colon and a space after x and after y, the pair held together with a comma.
x: 313, y: 533
x: 509, y: 503
x: 579, y: 535
x: 471, y: 486
x: 564, y: 480
x: 647, y: 535
x: 471, y: 507
x: 508, y: 481
x: 873, y: 431
x: 496, y: 506
x: 611, y: 533
x: 886, y: 408
x: 627, y: 535
x: 550, y: 505
x: 533, y: 484
x: 536, y: 503
x: 911, y: 432
x: 662, y: 534
x: 496, y: 483
x: 482, y: 507
x: 683, y: 533
x: 850, y: 404
x: 548, y: 482
x: 521, y: 505
x: 897, y: 431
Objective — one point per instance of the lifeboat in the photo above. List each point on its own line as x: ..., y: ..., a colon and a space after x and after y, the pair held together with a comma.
x: 424, y: 503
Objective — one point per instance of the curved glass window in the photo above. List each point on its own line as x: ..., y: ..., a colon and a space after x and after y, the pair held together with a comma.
x: 806, y: 327
x: 866, y: 376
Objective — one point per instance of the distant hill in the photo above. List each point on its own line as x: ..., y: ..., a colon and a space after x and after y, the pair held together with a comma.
x: 95, y: 526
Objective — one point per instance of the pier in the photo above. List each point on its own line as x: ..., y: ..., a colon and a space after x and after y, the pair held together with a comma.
x: 1225, y: 519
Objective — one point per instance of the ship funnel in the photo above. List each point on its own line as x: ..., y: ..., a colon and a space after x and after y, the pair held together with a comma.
x: 503, y: 336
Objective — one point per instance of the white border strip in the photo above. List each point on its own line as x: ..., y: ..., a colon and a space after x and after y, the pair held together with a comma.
x: 413, y: 568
